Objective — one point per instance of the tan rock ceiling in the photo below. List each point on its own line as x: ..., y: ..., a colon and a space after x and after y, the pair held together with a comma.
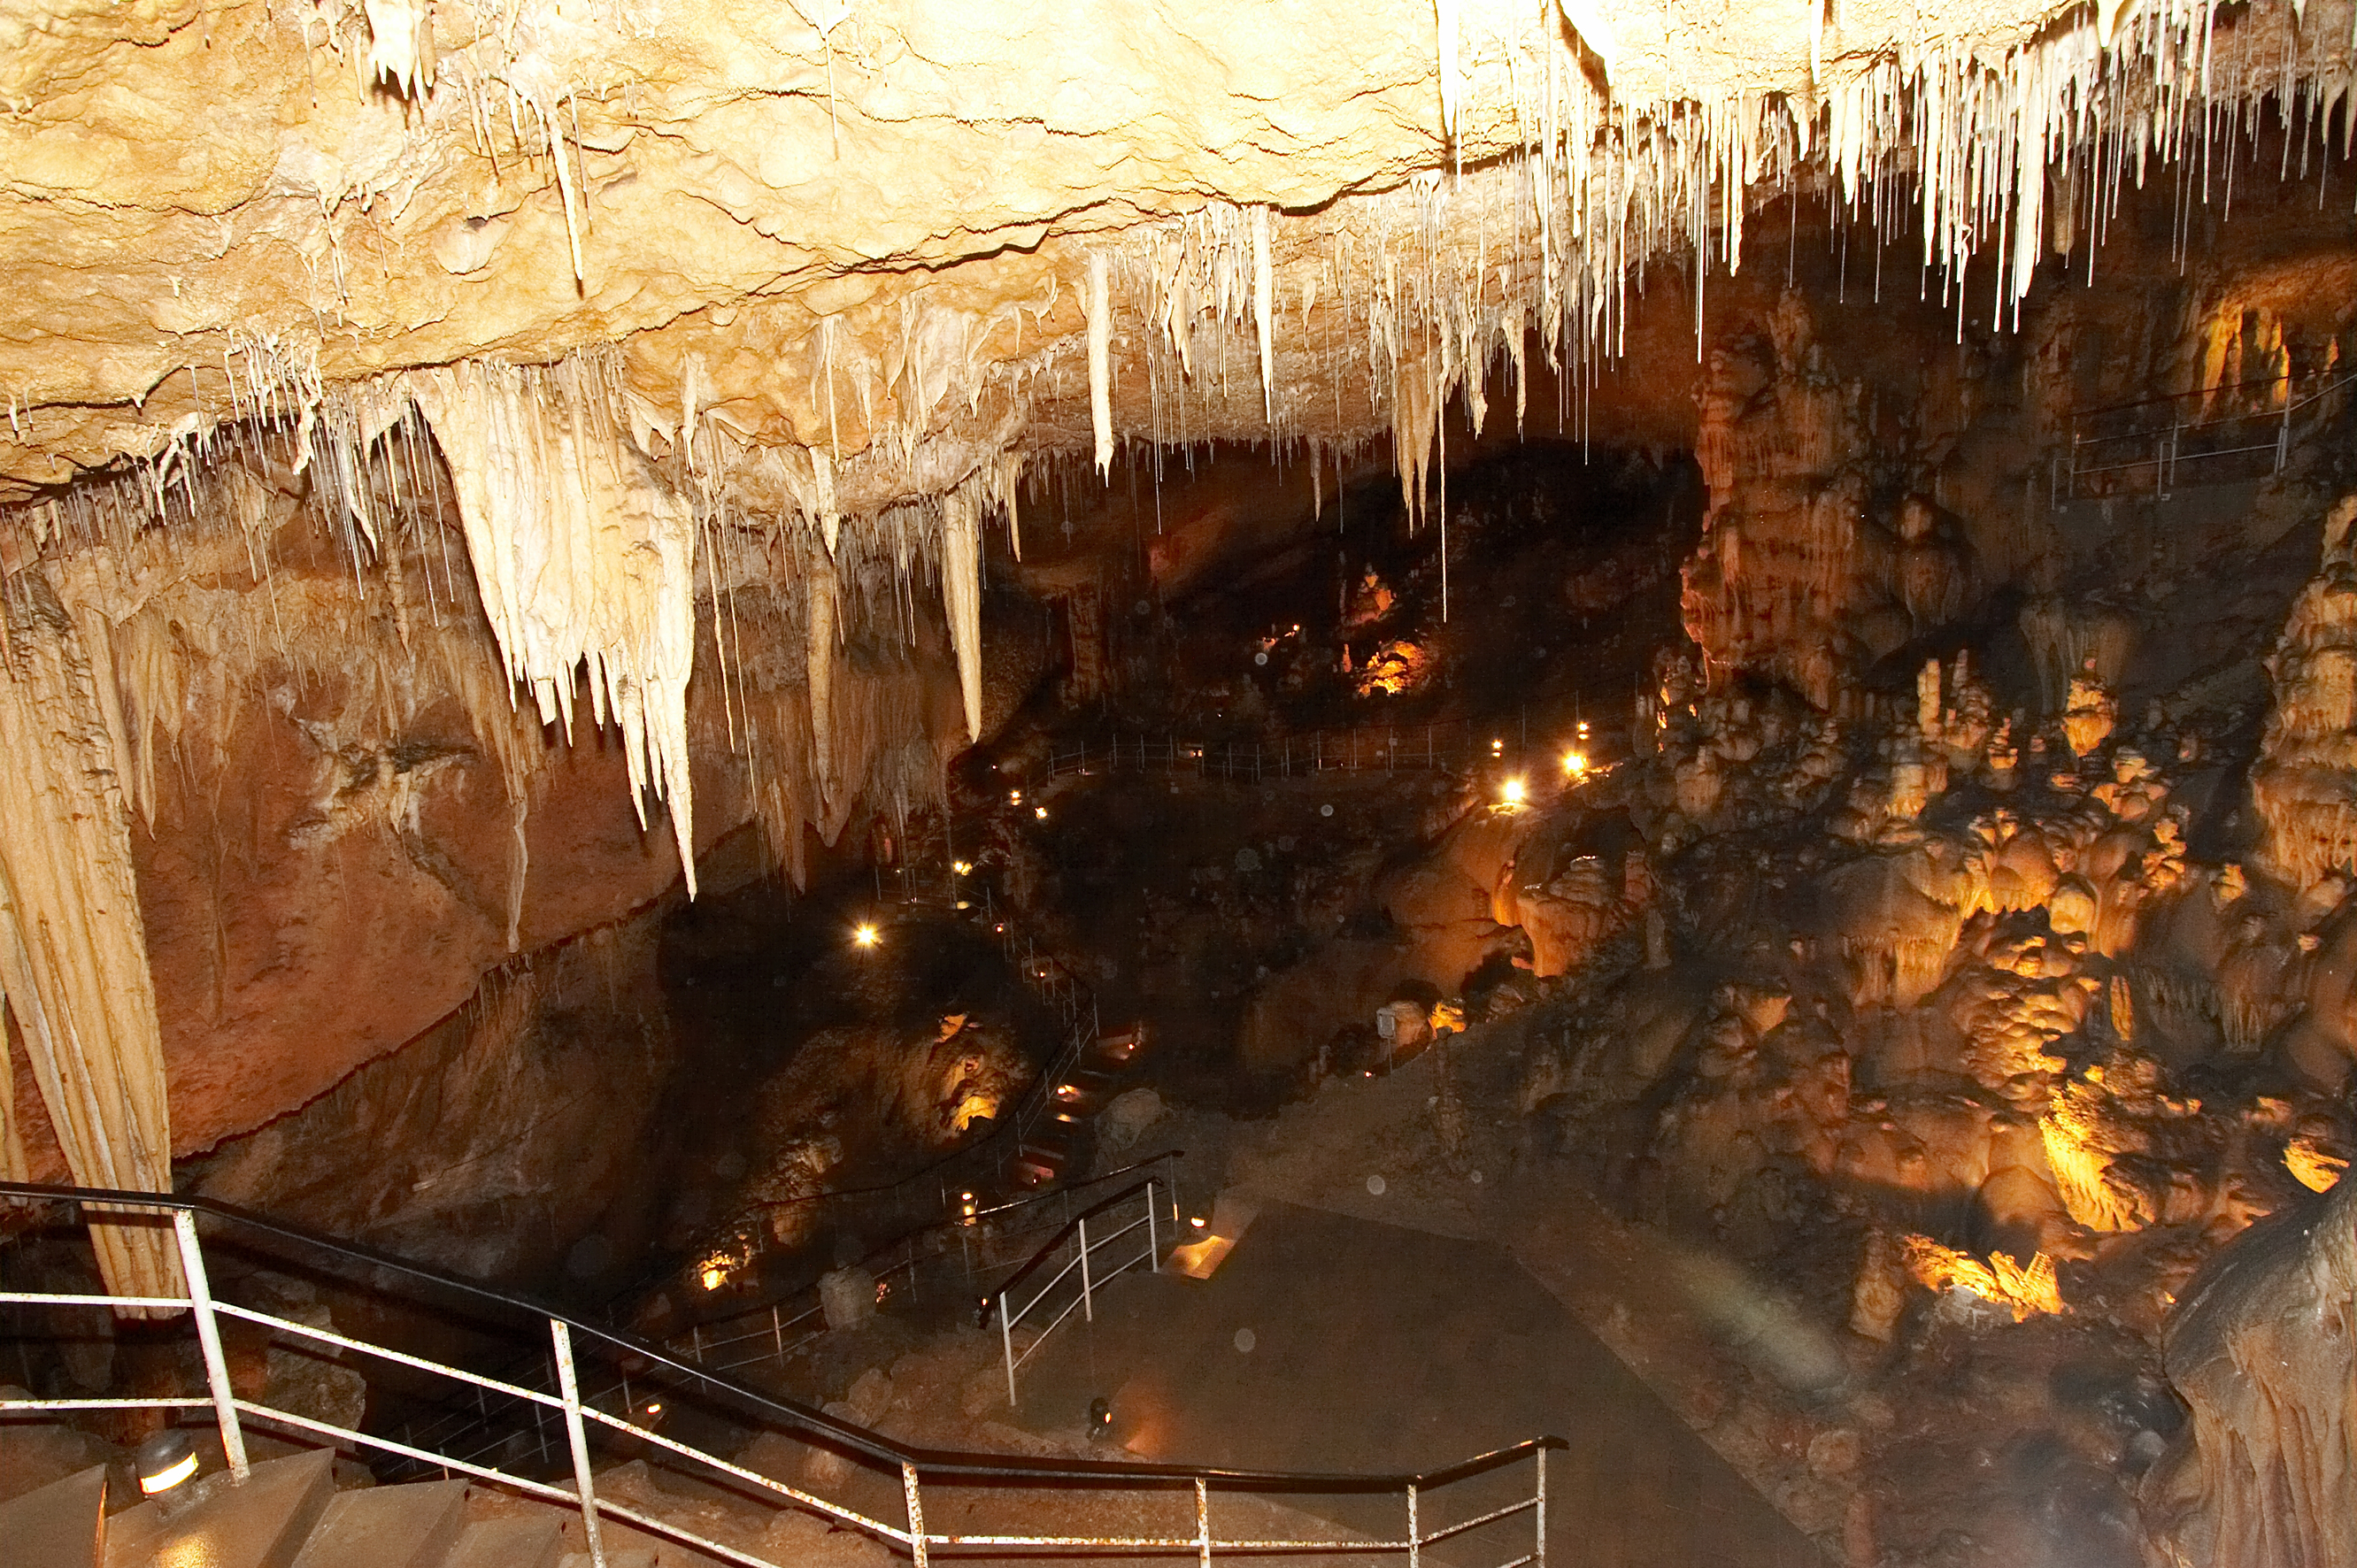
x: 873, y: 220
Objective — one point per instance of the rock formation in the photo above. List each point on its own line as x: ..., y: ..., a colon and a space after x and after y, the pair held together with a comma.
x: 2261, y: 1351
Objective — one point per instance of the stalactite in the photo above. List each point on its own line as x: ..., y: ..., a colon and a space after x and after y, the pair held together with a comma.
x: 1263, y: 309
x: 962, y: 597
x: 1100, y: 308
x: 73, y: 950
x: 818, y: 662
x: 583, y: 560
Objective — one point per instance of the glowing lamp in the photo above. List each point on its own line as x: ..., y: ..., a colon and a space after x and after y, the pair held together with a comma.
x: 1512, y: 791
x: 962, y: 867
x: 1040, y: 813
x: 1573, y: 764
x: 165, y: 1461
x: 1498, y: 748
x: 1015, y: 797
x: 654, y: 1407
x: 864, y: 934
x: 1198, y: 1222
x: 967, y: 1208
x: 713, y: 1276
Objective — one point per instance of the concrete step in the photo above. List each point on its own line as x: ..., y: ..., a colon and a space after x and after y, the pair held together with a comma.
x: 388, y: 1527
x: 62, y: 1525
x: 261, y: 1524
x: 509, y: 1544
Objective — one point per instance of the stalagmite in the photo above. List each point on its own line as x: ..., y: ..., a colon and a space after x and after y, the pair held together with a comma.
x: 962, y: 597
x: 1101, y: 357
x: 73, y: 950
x: 582, y: 557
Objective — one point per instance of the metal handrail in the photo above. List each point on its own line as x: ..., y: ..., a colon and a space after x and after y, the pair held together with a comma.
x: 1009, y: 1315
x: 2166, y: 439
x: 876, y: 1445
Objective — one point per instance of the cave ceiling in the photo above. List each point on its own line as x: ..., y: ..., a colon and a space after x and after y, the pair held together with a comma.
x: 868, y: 230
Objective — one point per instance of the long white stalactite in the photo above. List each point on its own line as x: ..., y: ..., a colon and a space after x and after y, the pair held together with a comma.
x: 585, y: 561
x: 73, y: 948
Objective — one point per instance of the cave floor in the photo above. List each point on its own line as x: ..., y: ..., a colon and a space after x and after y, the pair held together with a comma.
x: 1379, y: 1346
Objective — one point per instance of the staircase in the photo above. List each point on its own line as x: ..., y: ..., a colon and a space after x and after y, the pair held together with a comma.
x: 287, y: 1515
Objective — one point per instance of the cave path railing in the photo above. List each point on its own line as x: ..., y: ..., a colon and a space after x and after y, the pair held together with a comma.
x: 964, y: 1489
x: 2157, y: 445
x: 950, y: 1255
x: 1087, y: 1264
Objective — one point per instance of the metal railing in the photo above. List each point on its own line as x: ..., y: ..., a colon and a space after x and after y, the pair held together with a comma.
x: 957, y: 1251
x: 2152, y: 448
x: 1119, y: 1219
x: 959, y: 1482
x: 1366, y: 748
x: 920, y: 1199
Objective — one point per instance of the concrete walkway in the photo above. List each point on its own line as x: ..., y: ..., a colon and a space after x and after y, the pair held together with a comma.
x: 1378, y: 1347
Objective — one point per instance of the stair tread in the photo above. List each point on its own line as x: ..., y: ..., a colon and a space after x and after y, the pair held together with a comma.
x: 508, y: 1543
x: 61, y: 1525
x: 388, y: 1527
x: 261, y: 1524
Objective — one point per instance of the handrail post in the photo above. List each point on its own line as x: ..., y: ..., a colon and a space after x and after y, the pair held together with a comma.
x: 1415, y: 1531
x: 1153, y: 1238
x: 569, y: 1388
x: 1088, y: 1298
x: 1538, y: 1551
x: 916, y: 1516
x: 1204, y: 1520
x: 200, y: 1301
x: 1007, y: 1343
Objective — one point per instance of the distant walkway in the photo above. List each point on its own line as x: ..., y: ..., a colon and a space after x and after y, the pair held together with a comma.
x: 1377, y: 1348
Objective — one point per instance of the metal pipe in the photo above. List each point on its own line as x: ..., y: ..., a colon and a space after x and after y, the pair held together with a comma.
x: 201, y: 1300
x: 916, y: 1516
x: 1414, y: 1533
x: 1204, y: 1520
x: 1007, y: 1343
x: 1088, y: 1296
x: 1538, y: 1551
x: 569, y: 1388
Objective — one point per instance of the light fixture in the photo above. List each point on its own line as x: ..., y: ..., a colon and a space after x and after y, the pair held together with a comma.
x: 1040, y: 813
x: 165, y: 1461
x: 654, y: 1407
x: 1512, y: 791
x: 1498, y: 747
x: 713, y: 1276
x: 962, y: 867
x: 1198, y: 1222
x: 1015, y: 797
x: 1101, y: 1417
x: 967, y: 1208
x: 864, y: 934
x: 1573, y: 764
